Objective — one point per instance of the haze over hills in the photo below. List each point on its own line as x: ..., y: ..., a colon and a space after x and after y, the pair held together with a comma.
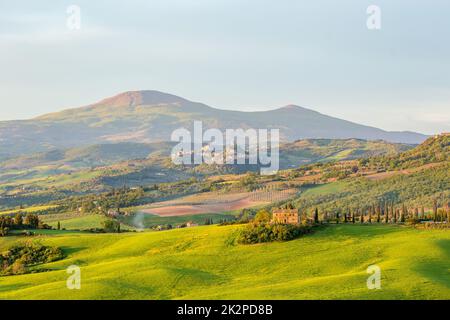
x: 151, y: 116
x: 43, y: 176
x: 292, y: 154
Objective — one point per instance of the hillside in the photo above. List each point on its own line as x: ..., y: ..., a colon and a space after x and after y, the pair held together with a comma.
x: 87, y: 157
x: 200, y: 263
x: 58, y: 173
x: 151, y: 116
x: 434, y: 149
x: 323, y: 150
x: 416, y: 177
x: 291, y: 154
x: 415, y: 189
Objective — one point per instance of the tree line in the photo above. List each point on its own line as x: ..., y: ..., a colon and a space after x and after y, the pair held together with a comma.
x: 20, y: 222
x: 380, y: 213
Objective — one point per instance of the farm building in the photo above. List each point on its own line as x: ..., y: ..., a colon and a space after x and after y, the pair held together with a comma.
x: 288, y: 216
x: 191, y: 224
x: 113, y: 213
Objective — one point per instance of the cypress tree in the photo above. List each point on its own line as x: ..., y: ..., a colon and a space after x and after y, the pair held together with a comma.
x: 434, y: 210
x: 386, y: 216
x: 316, y: 215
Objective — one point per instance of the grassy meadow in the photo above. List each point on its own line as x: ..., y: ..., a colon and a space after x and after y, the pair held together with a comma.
x: 204, y: 263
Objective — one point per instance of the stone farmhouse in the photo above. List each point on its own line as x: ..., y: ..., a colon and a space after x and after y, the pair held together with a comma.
x: 287, y: 216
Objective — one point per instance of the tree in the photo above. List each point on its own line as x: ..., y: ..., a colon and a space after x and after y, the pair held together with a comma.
x: 262, y: 216
x: 404, y: 213
x: 18, y: 220
x: 110, y: 225
x: 416, y: 213
x: 58, y: 226
x: 32, y: 220
x: 316, y: 215
x: 3, y: 231
x: 435, y: 209
x: 290, y: 206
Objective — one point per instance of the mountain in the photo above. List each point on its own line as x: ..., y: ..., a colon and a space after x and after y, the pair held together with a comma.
x: 151, y: 116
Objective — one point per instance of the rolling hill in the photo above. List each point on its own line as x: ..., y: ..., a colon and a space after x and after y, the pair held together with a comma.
x: 416, y: 177
x: 291, y: 154
x: 201, y: 263
x: 151, y: 116
x: 60, y: 172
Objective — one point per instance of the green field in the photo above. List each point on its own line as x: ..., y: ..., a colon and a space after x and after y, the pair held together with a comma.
x: 147, y: 220
x: 200, y: 263
x: 27, y: 210
x: 83, y: 222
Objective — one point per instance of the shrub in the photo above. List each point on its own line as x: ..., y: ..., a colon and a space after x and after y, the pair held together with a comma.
x: 258, y: 233
x: 412, y: 221
x: 17, y: 259
x: 111, y: 226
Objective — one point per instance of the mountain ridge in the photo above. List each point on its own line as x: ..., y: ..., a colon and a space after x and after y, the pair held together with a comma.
x: 151, y: 116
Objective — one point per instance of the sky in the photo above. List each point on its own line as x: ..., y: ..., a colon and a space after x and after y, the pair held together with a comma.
x: 241, y: 55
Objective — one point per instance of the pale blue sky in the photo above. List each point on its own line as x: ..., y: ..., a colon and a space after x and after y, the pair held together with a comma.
x: 245, y: 55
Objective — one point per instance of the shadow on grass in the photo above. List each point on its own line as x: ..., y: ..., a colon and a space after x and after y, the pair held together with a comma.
x: 12, y: 287
x: 71, y: 250
x: 437, y: 270
x: 360, y: 231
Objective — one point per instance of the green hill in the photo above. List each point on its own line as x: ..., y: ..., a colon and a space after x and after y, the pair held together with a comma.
x: 416, y: 190
x: 435, y: 149
x: 416, y: 177
x: 200, y: 263
x: 323, y: 150
x: 54, y: 174
x: 86, y: 157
